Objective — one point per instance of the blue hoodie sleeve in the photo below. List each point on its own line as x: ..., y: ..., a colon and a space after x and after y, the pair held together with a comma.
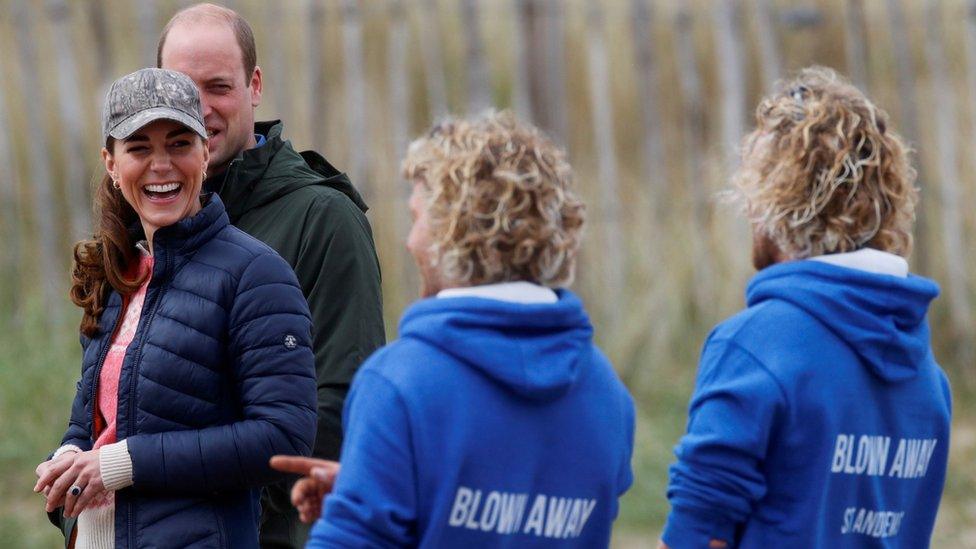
x: 374, y: 500
x: 718, y: 475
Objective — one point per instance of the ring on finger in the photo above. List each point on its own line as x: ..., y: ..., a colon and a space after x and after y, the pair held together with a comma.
x: 75, y: 490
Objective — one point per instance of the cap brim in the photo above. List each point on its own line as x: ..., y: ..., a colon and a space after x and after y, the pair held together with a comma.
x: 132, y: 124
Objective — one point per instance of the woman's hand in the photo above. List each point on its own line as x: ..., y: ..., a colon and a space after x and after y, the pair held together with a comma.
x: 307, y: 493
x: 49, y: 471
x: 84, y: 473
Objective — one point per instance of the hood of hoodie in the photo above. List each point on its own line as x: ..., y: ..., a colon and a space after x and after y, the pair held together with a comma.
x: 536, y: 351
x: 263, y: 174
x: 881, y: 317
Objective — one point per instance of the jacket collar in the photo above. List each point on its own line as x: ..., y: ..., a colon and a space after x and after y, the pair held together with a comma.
x: 187, y: 235
x: 237, y: 182
x: 255, y: 161
x: 264, y: 173
x: 169, y: 244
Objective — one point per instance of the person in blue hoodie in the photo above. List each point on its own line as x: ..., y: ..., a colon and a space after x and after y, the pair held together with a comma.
x: 493, y: 421
x: 819, y: 418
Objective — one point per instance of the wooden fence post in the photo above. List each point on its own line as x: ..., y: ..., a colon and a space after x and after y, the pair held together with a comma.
x: 430, y: 42
x: 945, y: 148
x: 969, y: 38
x: 76, y: 173
x: 399, y: 83
x: 278, y: 67
x: 541, y: 65
x: 399, y: 109
x: 855, y: 47
x: 10, y: 261
x: 479, y: 78
x: 521, y: 96
x: 555, y: 70
x: 728, y: 57
x: 603, y: 134
x: 353, y: 60
x: 731, y: 72
x: 41, y: 189
x: 648, y: 81
x: 148, y: 30
x: 104, y: 57
x: 769, y: 44
x: 317, y: 103
x: 104, y: 53
x: 533, y: 59
x: 694, y: 146
x: 905, y: 76
x: 654, y: 173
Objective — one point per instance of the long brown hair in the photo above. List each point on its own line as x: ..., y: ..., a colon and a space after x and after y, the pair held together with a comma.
x: 101, y: 263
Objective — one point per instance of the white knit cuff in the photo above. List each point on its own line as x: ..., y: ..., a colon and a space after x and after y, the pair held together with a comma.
x: 64, y: 450
x: 115, y: 465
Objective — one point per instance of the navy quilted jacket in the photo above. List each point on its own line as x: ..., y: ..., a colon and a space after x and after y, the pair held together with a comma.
x: 219, y: 377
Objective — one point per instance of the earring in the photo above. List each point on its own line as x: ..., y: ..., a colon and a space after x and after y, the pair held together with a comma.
x: 115, y: 183
x: 204, y: 175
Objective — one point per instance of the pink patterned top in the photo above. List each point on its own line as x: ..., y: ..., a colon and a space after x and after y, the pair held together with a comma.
x: 108, y: 379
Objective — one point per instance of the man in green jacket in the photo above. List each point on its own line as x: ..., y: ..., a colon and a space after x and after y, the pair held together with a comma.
x: 298, y: 204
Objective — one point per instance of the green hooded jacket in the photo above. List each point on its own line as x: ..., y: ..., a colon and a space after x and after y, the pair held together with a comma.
x: 312, y: 216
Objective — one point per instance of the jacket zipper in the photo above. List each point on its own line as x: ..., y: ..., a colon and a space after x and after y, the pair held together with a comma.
x: 98, y: 372
x: 133, y: 376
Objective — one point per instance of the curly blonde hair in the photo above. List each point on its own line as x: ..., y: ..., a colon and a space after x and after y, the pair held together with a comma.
x: 500, y: 205
x: 823, y: 173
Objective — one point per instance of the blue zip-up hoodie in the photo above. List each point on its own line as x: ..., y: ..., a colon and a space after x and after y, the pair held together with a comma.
x: 819, y: 418
x: 487, y: 424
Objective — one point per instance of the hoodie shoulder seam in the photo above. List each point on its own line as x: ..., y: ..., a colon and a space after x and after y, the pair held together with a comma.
x: 732, y: 344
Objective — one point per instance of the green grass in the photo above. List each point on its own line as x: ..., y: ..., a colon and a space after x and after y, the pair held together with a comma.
x: 39, y: 366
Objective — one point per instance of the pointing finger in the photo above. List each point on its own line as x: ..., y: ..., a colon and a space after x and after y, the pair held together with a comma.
x: 295, y: 464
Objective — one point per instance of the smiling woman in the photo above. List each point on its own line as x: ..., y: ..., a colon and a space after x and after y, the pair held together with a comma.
x: 189, y: 384
x: 159, y: 170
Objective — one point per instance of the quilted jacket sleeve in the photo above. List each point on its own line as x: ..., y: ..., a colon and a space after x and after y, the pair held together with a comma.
x: 269, y: 349
x: 77, y: 433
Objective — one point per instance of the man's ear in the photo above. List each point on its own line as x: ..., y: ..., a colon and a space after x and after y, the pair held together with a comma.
x: 256, y: 87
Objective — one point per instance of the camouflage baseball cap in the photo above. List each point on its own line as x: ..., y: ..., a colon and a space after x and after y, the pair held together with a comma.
x: 148, y: 95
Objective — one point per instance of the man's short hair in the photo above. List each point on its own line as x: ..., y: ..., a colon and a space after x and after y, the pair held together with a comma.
x: 242, y: 31
x: 501, y: 205
x: 824, y: 173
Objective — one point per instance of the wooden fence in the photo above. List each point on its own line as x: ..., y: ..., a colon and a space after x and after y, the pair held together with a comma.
x: 649, y: 97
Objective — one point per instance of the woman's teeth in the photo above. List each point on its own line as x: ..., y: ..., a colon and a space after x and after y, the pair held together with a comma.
x: 162, y: 191
x: 164, y: 188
